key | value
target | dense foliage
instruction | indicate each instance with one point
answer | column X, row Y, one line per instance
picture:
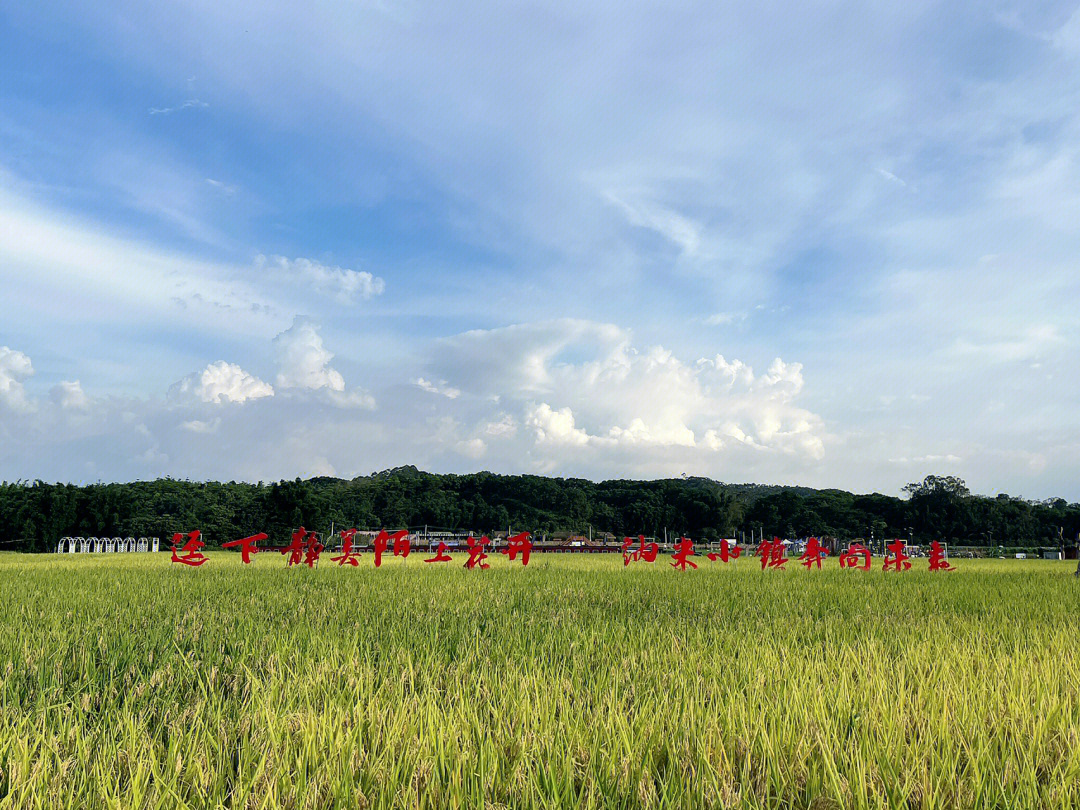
column 34, row 515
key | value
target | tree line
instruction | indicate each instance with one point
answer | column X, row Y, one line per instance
column 35, row 514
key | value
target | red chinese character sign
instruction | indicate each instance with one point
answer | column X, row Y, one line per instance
column 814, row 554
column 347, row 556
column 440, row 555
column 313, row 550
column 192, row 555
column 476, row 552
column 726, row 552
column 518, row 544
column 400, row 540
column 684, row 550
column 645, row 552
column 851, row 557
column 772, row 553
column 305, row 548
column 899, row 560
column 938, row 561
column 295, row 549
column 248, row 546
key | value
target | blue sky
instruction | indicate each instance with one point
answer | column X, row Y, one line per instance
column 827, row 244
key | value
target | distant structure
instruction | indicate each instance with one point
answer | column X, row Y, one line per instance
column 109, row 545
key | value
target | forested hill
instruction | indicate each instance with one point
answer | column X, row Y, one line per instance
column 34, row 515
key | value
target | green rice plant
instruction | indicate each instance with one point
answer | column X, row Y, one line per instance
column 130, row 682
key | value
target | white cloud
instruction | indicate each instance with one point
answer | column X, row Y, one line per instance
column 673, row 226
column 350, row 399
column 341, row 282
column 609, row 410
column 64, row 276
column 724, row 318
column 222, row 382
column 202, row 426
column 555, row 427
column 735, row 373
column 441, row 388
column 637, row 432
column 892, row 178
column 224, row 188
column 929, row 458
column 70, row 395
column 504, row 427
column 14, row 368
column 189, row 104
column 471, row 448
column 584, row 384
column 64, row 272
column 303, row 361
column 524, row 357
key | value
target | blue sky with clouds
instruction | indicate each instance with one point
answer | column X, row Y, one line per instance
column 828, row 244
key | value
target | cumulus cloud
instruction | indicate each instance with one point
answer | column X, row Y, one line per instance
column 637, row 432
column 555, row 427
column 14, row 368
column 346, row 285
column 304, row 366
column 303, row 361
column 567, row 397
column 576, row 399
column 504, row 427
column 69, row 395
column 523, row 357
column 222, row 382
column 582, row 384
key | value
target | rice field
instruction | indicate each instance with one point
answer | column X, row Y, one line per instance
column 130, row 682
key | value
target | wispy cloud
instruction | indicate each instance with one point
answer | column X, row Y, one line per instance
column 440, row 388
column 892, row 178
column 224, row 188
column 191, row 103
column 343, row 283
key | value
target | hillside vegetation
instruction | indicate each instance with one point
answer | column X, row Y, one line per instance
column 35, row 514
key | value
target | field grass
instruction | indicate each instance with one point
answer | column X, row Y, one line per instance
column 129, row 682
